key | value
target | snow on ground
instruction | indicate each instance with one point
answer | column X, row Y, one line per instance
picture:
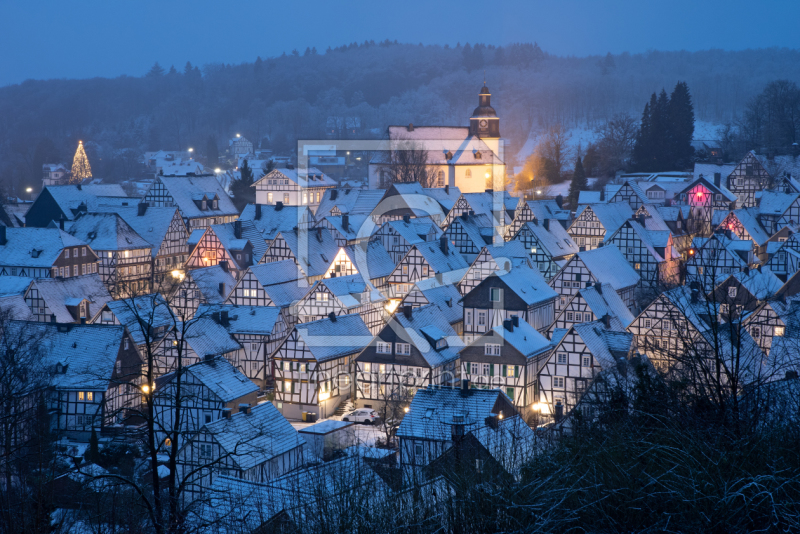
column 582, row 135
column 706, row 131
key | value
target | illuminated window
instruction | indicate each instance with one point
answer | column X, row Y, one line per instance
column 780, row 330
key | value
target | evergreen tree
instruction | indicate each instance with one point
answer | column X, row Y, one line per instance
column 80, row 166
column 187, row 69
column 93, row 453
column 642, row 149
column 243, row 193
column 156, row 71
column 661, row 131
column 579, row 182
column 212, row 152
column 681, row 120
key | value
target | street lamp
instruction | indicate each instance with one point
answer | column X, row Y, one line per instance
column 218, row 170
column 29, row 190
column 191, row 150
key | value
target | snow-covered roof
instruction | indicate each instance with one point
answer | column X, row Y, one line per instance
column 256, row 437
column 58, row 293
column 602, row 299
column 227, row 237
column 554, row 239
column 207, row 337
column 317, row 253
column 445, row 197
column 348, row 200
column 410, row 198
column 187, row 167
column 14, row 307
column 512, row 443
column 275, row 219
column 525, row 338
column 528, row 284
column 152, row 226
column 606, row 345
column 341, row 336
column 444, row 295
column 776, row 203
column 430, row 416
column 325, row 427
column 548, row 209
column 372, row 263
column 708, row 170
column 478, row 227
column 358, row 226
column 14, row 285
column 415, row 230
column 106, row 231
column 748, row 217
column 608, row 265
column 185, row 190
column 708, row 183
column 589, row 197
column 439, row 260
column 762, row 284
column 223, row 379
column 244, row 319
column 70, row 197
column 35, row 247
column 208, row 280
column 612, row 216
column 143, row 312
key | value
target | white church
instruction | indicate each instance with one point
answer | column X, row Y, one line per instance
column 467, row 157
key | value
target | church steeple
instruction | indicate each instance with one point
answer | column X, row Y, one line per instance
column 484, row 122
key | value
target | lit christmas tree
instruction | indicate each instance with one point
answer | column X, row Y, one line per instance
column 80, row 166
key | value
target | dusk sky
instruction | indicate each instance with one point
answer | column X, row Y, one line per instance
column 85, row 39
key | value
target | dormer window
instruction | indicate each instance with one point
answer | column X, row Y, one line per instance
column 204, row 204
column 214, row 203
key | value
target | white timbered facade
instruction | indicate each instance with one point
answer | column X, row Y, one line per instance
column 748, row 177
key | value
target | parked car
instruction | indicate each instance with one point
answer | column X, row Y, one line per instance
column 363, row 415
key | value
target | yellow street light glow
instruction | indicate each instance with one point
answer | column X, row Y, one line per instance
column 500, row 416
column 392, row 306
column 488, row 175
column 323, row 396
column 405, row 409
column 191, row 150
column 238, row 135
column 217, row 170
column 146, row 389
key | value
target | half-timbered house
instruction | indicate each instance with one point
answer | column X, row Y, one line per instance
column 272, row 284
column 125, row 258
column 293, row 187
column 271, row 220
column 398, row 236
column 494, row 258
column 582, row 352
column 548, row 244
column 201, row 200
column 442, row 292
column 344, row 295
column 417, row 348
column 422, row 261
column 529, row 210
column 650, row 253
column 704, row 197
column 238, row 243
column 783, row 257
column 507, row 357
column 67, row 300
column 348, row 229
column 147, row 318
column 632, row 194
column 206, row 285
column 495, row 205
column 717, row 257
column 768, row 322
column 748, row 177
column 521, row 292
column 744, row 291
column 258, row 329
column 592, row 303
column 778, row 210
column 207, row 390
column 312, row 365
column 355, row 202
column 601, row 265
column 44, row 253
column 404, row 200
column 256, row 444
column 595, row 221
column 470, row 233
column 370, row 260
column 314, row 252
column 668, row 218
column 744, row 224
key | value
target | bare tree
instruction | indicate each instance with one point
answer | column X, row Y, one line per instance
column 616, row 139
column 406, row 162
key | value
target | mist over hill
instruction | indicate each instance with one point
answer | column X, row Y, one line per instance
column 280, row 99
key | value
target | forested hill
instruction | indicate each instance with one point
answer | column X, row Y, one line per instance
column 292, row 96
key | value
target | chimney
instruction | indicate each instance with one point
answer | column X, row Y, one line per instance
column 244, row 408
column 332, row 317
column 407, row 311
column 237, row 229
column 345, row 221
column 224, row 265
column 560, row 201
column 80, row 187
column 444, row 244
column 278, row 206
column 52, row 317
column 603, row 195
column 3, row 239
column 406, row 218
column 222, row 288
column 491, row 422
column 465, row 386
column 439, row 278
column 515, row 320
column 223, row 317
column 717, row 179
column 508, row 324
column 258, row 212
column 410, row 127
column 208, row 358
column 546, row 224
column 640, row 219
column 464, row 215
column 695, row 295
column 319, row 234
column 599, row 287
column 447, row 189
column 601, row 243
column 607, row 321
column 290, row 166
column 142, row 209
column 791, row 375
column 83, row 320
column 535, row 221
column 559, row 411
column 61, row 222
column 226, row 413
column 334, row 194
column 747, row 271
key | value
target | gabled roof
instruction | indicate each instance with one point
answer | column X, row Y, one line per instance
column 528, row 284
column 479, row 228
column 327, row 339
column 348, row 200
column 14, row 285
column 227, row 237
column 608, row 265
column 709, row 184
column 70, row 197
column 525, row 338
column 35, row 247
column 776, row 203
column 439, row 260
column 748, row 217
column 276, row 272
column 58, row 293
column 709, row 169
column 513, row 252
column 589, row 197
column 358, row 226
column 258, row 320
column 495, row 205
column 318, row 252
column 347, row 289
column 611, row 216
column 185, row 190
column 410, row 197
column 602, row 299
column 14, row 307
column 416, row 229
column 513, row 443
column 606, row 345
column 222, row 378
column 637, row 190
column 446, row 198
column 276, row 219
column 445, row 296
column 255, row 438
column 152, row 226
column 762, row 284
column 430, row 415
column 696, row 312
column 555, row 239
column 142, row 313
column 372, row 263
column 548, row 209
column 87, row 353
column 208, row 280
column 312, row 177
column 207, row 337
column 106, row 231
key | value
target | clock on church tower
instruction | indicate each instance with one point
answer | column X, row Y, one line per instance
column 484, row 122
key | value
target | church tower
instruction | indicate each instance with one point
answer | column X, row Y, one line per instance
column 484, row 122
